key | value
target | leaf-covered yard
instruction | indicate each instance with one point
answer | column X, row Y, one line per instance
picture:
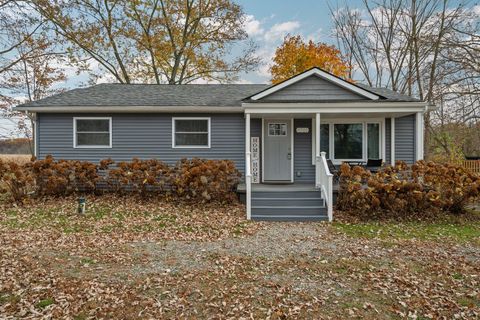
column 132, row 259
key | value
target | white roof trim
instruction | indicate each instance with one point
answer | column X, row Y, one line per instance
column 322, row 74
column 128, row 109
column 354, row 104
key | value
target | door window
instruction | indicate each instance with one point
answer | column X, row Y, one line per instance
column 277, row 129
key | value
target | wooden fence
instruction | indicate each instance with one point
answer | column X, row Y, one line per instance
column 472, row 165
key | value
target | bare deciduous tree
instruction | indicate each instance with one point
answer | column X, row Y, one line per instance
column 160, row 41
column 429, row 49
column 30, row 65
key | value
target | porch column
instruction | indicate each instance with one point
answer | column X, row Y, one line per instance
column 392, row 140
column 419, row 135
column 248, row 174
column 317, row 148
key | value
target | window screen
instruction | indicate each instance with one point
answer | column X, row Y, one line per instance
column 92, row 132
column 191, row 133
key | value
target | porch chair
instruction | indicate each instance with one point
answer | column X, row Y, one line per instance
column 373, row 165
column 333, row 170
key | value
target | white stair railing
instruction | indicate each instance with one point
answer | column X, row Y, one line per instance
column 324, row 181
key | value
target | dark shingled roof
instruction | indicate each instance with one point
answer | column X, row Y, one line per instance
column 388, row 94
column 174, row 95
column 152, row 95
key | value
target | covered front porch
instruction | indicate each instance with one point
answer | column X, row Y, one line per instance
column 295, row 129
column 287, row 150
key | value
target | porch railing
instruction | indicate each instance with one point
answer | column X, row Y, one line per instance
column 324, row 181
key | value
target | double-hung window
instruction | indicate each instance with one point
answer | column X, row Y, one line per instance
column 191, row 132
column 92, row 132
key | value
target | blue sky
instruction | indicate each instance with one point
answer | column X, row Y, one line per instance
column 269, row 21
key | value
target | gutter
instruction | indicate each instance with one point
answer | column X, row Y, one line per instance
column 130, row 109
column 293, row 107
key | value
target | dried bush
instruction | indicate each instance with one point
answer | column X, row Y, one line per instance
column 196, row 178
column 64, row 176
column 15, row 180
column 405, row 192
column 139, row 176
column 205, row 179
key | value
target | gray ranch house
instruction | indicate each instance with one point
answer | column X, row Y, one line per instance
column 283, row 137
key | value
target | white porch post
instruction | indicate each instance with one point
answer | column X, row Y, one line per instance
column 248, row 173
column 392, row 140
column 419, row 136
column 317, row 148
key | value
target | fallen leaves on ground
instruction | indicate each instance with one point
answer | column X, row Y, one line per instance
column 135, row 259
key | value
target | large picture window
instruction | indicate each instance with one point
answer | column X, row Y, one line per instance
column 94, row 132
column 348, row 141
column 191, row 133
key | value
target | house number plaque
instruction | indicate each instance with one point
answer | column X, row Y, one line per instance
column 255, row 150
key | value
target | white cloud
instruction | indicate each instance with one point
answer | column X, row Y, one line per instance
column 314, row 36
column 476, row 10
column 280, row 30
column 253, row 27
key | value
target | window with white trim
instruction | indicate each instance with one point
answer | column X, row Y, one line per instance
column 191, row 132
column 92, row 132
column 351, row 140
column 348, row 141
column 277, row 129
column 373, row 141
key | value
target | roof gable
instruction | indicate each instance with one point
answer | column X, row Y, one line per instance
column 315, row 84
column 313, row 88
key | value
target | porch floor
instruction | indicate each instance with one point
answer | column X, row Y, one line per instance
column 266, row 187
column 297, row 186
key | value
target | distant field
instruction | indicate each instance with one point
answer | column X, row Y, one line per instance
column 20, row 158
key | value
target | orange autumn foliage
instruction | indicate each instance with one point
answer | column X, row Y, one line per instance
column 295, row 56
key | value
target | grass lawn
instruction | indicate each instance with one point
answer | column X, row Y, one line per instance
column 131, row 259
column 453, row 229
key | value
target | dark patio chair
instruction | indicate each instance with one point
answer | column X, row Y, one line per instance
column 373, row 165
column 333, row 170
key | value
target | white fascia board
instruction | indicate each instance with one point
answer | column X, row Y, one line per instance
column 132, row 109
column 361, row 104
column 322, row 74
column 334, row 108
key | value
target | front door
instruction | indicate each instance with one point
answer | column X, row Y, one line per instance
column 277, row 151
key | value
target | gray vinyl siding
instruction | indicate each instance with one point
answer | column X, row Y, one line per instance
column 405, row 139
column 143, row 136
column 313, row 88
column 303, row 152
column 388, row 141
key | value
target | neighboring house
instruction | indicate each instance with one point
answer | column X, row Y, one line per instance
column 278, row 135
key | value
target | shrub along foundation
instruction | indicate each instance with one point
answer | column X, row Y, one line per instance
column 205, row 180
